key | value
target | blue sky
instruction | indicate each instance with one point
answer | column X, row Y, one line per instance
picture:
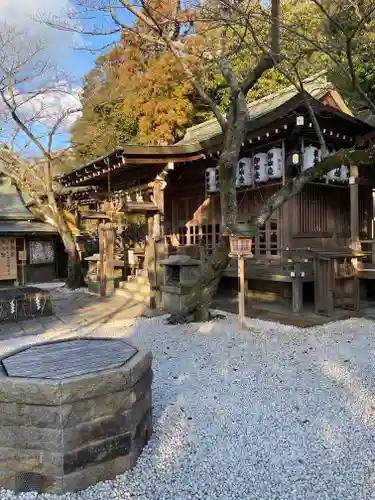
column 76, row 63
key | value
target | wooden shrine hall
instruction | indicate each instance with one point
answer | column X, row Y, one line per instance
column 317, row 247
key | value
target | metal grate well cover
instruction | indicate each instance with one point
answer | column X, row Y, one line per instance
column 69, row 358
column 28, row 481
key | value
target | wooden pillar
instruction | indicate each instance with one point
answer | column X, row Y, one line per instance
column 354, row 209
column 150, row 261
column 158, row 249
column 106, row 257
column 241, row 295
column 158, row 195
column 110, row 251
column 297, row 289
column 101, row 270
column 283, row 159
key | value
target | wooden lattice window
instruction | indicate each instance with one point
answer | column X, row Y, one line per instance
column 206, row 236
column 266, row 243
column 193, row 234
column 182, row 235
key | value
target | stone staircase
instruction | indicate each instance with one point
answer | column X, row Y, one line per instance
column 135, row 287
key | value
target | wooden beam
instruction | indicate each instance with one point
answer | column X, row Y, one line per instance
column 92, row 214
column 364, row 182
column 161, row 160
column 141, row 207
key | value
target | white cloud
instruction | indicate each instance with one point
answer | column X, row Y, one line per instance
column 41, row 115
column 22, row 14
column 48, row 106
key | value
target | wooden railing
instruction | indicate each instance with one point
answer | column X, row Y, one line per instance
column 283, row 257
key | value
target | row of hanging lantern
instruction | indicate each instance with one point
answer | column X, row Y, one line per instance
column 268, row 166
column 262, row 168
column 313, row 155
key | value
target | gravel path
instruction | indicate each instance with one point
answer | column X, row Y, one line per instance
column 275, row 412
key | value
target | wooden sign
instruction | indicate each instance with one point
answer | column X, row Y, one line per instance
column 8, row 259
column 22, row 256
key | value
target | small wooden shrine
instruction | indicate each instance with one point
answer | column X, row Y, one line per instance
column 29, row 249
column 166, row 200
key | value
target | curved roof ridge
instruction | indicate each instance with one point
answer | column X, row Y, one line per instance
column 313, row 84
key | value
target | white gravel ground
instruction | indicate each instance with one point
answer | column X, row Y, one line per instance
column 275, row 412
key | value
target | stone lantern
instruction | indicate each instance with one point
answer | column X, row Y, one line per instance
column 181, row 272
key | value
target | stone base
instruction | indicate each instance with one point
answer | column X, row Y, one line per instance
column 174, row 298
column 58, row 437
column 94, row 287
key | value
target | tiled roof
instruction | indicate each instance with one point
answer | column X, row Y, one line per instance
column 12, row 203
column 317, row 87
column 15, row 218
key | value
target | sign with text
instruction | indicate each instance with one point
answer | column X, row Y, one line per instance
column 42, row 252
column 8, row 259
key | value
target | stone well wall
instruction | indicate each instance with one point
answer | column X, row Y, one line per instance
column 62, row 436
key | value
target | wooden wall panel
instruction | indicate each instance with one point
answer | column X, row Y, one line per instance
column 312, row 210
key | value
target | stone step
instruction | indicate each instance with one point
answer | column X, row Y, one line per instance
column 141, row 272
column 134, row 286
column 138, row 279
column 137, row 296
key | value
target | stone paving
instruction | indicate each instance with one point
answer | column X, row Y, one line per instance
column 76, row 313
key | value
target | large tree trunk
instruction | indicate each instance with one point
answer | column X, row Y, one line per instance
column 203, row 291
column 52, row 215
column 74, row 275
column 74, row 271
column 213, row 267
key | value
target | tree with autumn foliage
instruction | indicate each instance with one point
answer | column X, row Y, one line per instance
column 134, row 95
column 138, row 95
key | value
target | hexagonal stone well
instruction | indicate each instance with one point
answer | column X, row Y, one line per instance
column 72, row 413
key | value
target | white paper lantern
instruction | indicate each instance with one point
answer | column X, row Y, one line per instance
column 344, row 171
column 275, row 163
column 339, row 174
column 244, row 174
column 261, row 167
column 333, row 175
column 212, row 179
column 311, row 156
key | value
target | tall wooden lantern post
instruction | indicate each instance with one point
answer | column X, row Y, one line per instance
column 241, row 241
